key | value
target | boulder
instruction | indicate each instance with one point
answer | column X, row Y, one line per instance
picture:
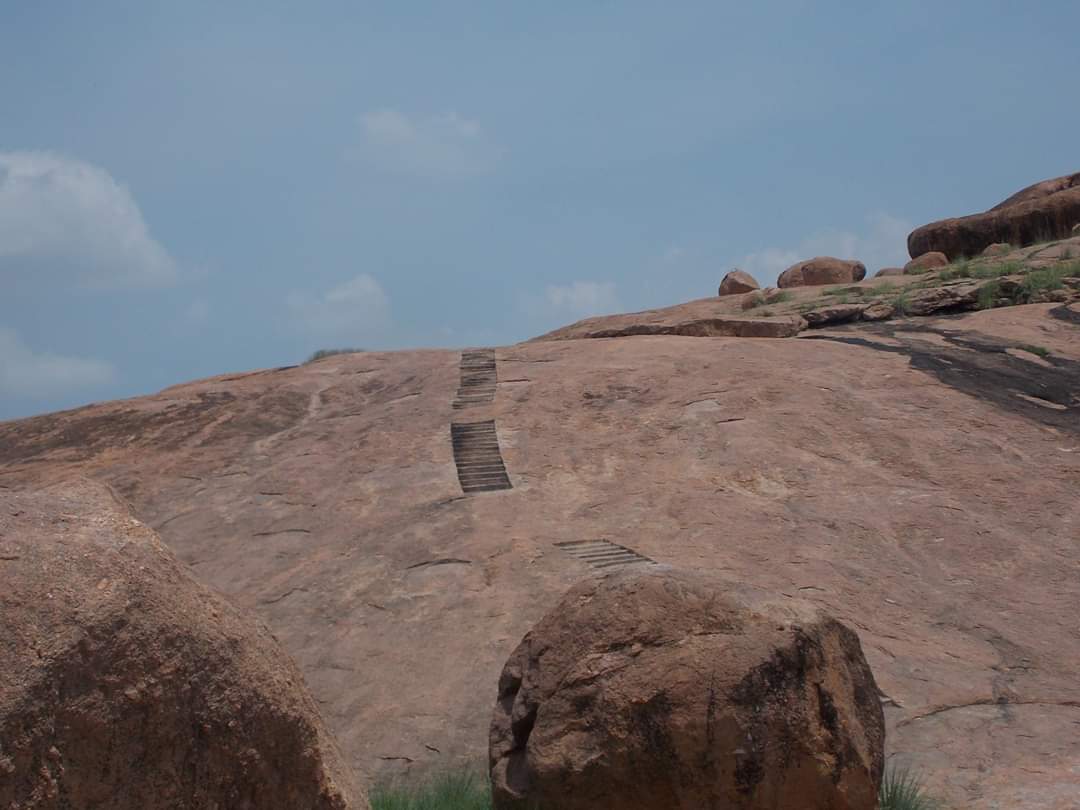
column 835, row 313
column 126, row 684
column 737, row 282
column 822, row 270
column 997, row 249
column 880, row 311
column 1041, row 212
column 658, row 689
column 926, row 262
column 889, row 271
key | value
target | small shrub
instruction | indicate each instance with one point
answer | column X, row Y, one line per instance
column 1039, row 351
column 452, row 791
column 901, row 790
column 988, row 295
column 901, row 303
column 780, row 297
column 1040, row 281
column 752, row 301
column 321, row 353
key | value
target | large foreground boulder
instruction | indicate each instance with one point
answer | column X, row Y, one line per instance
column 126, row 684
column 822, row 270
column 1041, row 212
column 737, row 281
column 663, row 690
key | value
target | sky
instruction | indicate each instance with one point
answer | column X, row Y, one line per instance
column 190, row 189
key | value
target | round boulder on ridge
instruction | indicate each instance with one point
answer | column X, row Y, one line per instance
column 660, row 689
column 737, row 281
column 822, row 270
column 926, row 262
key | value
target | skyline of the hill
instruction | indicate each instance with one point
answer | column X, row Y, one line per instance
column 195, row 189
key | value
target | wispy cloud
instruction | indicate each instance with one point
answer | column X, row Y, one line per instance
column 355, row 310
column 583, row 298
column 72, row 219
column 28, row 373
column 881, row 243
column 446, row 145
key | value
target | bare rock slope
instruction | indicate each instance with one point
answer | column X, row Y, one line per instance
column 126, row 684
column 916, row 478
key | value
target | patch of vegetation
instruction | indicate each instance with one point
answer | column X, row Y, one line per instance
column 901, row 303
column 321, row 353
column 961, row 269
column 452, row 791
column 752, row 301
column 1039, row 351
column 780, row 297
column 997, row 270
column 988, row 295
column 843, row 292
column 901, row 790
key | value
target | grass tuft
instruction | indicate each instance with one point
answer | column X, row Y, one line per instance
column 452, row 791
column 321, row 353
column 901, row 790
column 1031, row 348
column 988, row 295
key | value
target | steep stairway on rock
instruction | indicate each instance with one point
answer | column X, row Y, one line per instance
column 476, row 453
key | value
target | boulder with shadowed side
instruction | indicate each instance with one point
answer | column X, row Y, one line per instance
column 822, row 270
column 1040, row 212
column 126, row 684
column 737, row 282
column 665, row 690
column 925, row 263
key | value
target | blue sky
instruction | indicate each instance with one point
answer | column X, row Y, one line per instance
column 193, row 188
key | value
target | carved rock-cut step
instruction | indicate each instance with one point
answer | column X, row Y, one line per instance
column 602, row 554
column 478, row 378
column 479, row 463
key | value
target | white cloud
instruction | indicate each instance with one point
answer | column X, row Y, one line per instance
column 583, row 298
column 26, row 373
column 882, row 243
column 438, row 146
column 352, row 311
column 73, row 218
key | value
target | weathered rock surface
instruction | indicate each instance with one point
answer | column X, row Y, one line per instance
column 889, row 271
column 822, row 270
column 1076, row 229
column 702, row 318
column 126, row 684
column 834, row 313
column 659, row 690
column 1040, row 212
column 918, row 482
column 925, row 263
column 737, row 282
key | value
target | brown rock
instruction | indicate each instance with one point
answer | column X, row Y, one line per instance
column 835, row 313
column 889, row 271
column 1040, row 212
column 997, row 249
column 881, row 311
column 707, row 317
column 665, row 690
column 737, row 282
column 925, row 263
column 128, row 685
column 822, row 270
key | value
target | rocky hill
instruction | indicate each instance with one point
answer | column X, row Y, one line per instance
column 915, row 476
